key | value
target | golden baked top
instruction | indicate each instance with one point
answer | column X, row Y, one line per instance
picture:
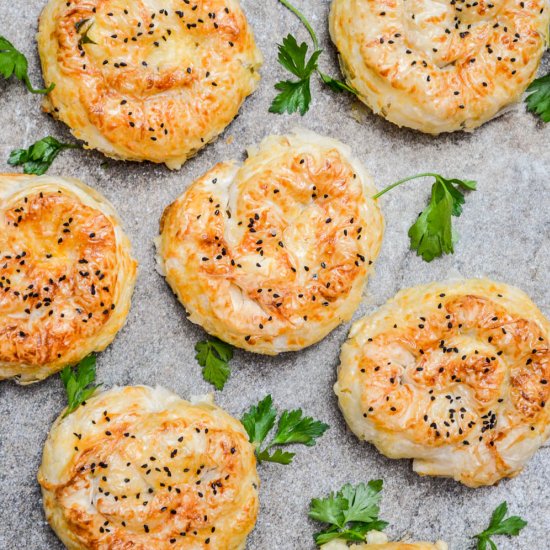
column 272, row 255
column 453, row 375
column 147, row 79
column 138, row 467
column 66, row 274
column 439, row 66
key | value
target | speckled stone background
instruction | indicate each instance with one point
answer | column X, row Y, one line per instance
column 505, row 234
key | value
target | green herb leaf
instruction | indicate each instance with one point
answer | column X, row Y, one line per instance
column 214, row 355
column 342, row 534
column 279, row 456
column 336, row 85
column 293, row 57
column 351, row 512
column 291, row 428
column 294, row 96
column 363, row 501
column 39, row 156
column 329, row 509
column 13, row 62
column 432, row 234
column 259, row 420
column 538, row 101
column 78, row 383
column 356, row 533
column 499, row 526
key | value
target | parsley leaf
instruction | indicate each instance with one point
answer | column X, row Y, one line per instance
column 259, row 420
column 279, row 456
column 214, row 355
column 293, row 57
column 291, row 428
column 295, row 428
column 39, row 156
column 538, row 101
column 432, row 234
column 351, row 512
column 78, row 383
column 13, row 62
column 336, row 85
column 295, row 95
column 510, row 526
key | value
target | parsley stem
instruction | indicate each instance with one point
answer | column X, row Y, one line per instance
column 404, row 180
column 304, row 21
column 33, row 90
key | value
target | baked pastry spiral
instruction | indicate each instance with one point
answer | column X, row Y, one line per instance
column 138, row 467
column 147, row 80
column 439, row 66
column 66, row 274
column 272, row 255
column 455, row 376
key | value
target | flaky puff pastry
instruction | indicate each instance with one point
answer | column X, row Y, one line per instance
column 272, row 255
column 455, row 376
column 138, row 467
column 377, row 540
column 439, row 66
column 66, row 274
column 147, row 79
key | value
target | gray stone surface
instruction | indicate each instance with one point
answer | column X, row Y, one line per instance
column 505, row 234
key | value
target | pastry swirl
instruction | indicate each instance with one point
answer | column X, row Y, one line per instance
column 272, row 255
column 147, row 79
column 439, row 66
column 66, row 274
column 138, row 467
column 455, row 376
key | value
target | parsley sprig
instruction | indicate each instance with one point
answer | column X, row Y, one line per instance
column 13, row 62
column 39, row 156
column 79, row 383
column 510, row 526
column 538, row 100
column 432, row 234
column 214, row 356
column 292, row 427
column 295, row 95
column 351, row 512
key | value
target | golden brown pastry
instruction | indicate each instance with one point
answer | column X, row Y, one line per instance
column 379, row 541
column 453, row 375
column 140, row 468
column 147, row 79
column 439, row 66
column 66, row 274
column 272, row 255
